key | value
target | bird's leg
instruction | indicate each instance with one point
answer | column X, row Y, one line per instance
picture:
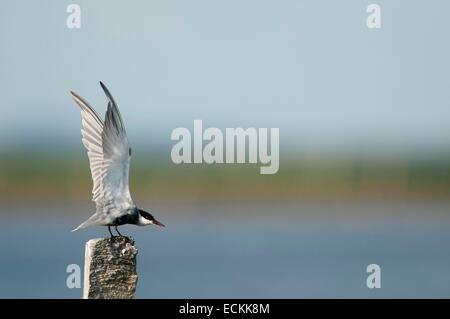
column 118, row 232
column 109, row 229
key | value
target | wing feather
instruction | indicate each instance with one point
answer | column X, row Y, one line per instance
column 91, row 132
column 116, row 155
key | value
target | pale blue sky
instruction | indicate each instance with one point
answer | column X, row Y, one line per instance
column 311, row 68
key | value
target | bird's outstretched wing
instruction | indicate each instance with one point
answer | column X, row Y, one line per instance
column 116, row 155
column 108, row 151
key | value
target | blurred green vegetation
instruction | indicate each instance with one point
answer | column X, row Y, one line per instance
column 67, row 177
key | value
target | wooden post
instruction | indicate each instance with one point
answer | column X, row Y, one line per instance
column 110, row 268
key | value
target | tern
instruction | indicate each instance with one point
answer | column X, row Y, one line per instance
column 109, row 160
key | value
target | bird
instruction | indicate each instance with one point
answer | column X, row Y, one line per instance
column 109, row 156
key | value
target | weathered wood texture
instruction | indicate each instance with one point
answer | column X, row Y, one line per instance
column 110, row 268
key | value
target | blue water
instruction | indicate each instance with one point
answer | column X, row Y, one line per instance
column 240, row 251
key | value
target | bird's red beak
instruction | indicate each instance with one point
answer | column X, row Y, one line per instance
column 158, row 223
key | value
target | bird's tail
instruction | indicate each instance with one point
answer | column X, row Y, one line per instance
column 79, row 227
column 94, row 220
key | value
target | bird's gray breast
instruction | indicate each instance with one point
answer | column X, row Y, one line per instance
column 128, row 217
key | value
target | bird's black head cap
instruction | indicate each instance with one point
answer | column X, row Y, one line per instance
column 146, row 215
column 150, row 217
